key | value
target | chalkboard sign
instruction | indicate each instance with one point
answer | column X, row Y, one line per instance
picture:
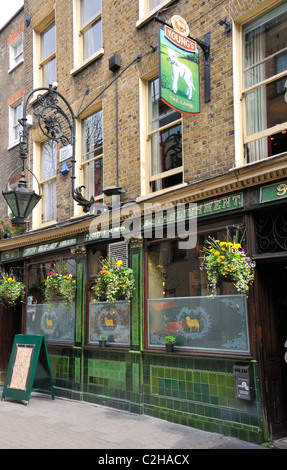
column 29, row 368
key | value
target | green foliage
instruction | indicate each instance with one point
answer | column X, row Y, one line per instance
column 11, row 291
column 60, row 286
column 7, row 229
column 228, row 262
column 114, row 282
column 169, row 340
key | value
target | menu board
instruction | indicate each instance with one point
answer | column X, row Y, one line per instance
column 21, row 366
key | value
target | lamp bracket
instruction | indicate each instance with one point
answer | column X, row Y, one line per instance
column 57, row 121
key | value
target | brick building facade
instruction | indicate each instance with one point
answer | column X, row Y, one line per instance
column 103, row 58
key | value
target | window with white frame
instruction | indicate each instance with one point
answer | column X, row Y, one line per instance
column 92, row 154
column 48, row 55
column 164, row 135
column 147, row 8
column 48, row 172
column 90, row 26
column 16, row 51
column 265, row 85
column 15, row 113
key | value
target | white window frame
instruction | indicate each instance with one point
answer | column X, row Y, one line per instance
column 37, row 63
column 79, row 181
column 79, row 61
column 37, row 170
column 145, row 14
column 13, row 125
column 145, row 144
column 13, row 57
column 241, row 138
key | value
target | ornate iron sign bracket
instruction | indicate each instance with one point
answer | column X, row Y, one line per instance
column 56, row 120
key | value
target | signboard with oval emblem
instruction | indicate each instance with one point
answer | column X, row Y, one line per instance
column 179, row 67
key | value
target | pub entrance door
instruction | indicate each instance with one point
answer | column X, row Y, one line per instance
column 10, row 324
column 272, row 300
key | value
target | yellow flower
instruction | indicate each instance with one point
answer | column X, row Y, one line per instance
column 217, row 253
column 119, row 263
column 10, row 279
column 219, row 260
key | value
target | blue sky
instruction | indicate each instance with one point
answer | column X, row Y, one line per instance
column 8, row 8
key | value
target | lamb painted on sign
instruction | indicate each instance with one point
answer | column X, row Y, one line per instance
column 180, row 70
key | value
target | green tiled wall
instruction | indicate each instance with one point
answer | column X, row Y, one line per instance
column 110, row 373
column 195, row 392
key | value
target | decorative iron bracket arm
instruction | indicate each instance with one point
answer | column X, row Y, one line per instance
column 54, row 121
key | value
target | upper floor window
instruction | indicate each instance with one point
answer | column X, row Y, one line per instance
column 15, row 113
column 147, row 9
column 265, row 85
column 165, row 142
column 91, row 27
column 48, row 55
column 92, row 154
column 16, row 51
column 48, row 172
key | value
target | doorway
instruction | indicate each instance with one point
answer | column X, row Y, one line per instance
column 10, row 324
column 272, row 294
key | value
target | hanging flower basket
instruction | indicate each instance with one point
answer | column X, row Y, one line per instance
column 228, row 262
column 60, row 287
column 114, row 282
column 11, row 291
column 7, row 229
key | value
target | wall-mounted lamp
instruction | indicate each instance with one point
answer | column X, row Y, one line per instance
column 228, row 25
column 21, row 200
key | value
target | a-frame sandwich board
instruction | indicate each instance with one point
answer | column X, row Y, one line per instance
column 28, row 369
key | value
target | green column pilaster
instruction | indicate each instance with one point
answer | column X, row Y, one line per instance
column 136, row 254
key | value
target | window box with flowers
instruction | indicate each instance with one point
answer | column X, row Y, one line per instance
column 228, row 262
column 110, row 303
column 12, row 291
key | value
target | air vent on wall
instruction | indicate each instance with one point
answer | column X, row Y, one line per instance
column 119, row 251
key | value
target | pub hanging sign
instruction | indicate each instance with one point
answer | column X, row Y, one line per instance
column 179, row 68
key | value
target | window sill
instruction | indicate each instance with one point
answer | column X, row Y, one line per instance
column 160, row 192
column 149, row 16
column 35, row 95
column 16, row 66
column 95, row 56
column 11, row 146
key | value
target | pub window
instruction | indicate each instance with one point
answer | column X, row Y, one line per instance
column 48, row 55
column 87, row 32
column 265, row 84
column 15, row 113
column 111, row 320
column 180, row 304
column 48, row 174
column 147, row 8
column 91, row 167
column 16, row 51
column 57, row 323
column 164, row 136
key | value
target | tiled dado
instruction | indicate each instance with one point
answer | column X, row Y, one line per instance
column 200, row 398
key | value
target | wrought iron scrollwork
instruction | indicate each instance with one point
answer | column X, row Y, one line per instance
column 52, row 118
column 271, row 232
column 56, row 120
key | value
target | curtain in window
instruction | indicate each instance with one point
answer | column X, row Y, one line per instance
column 255, row 101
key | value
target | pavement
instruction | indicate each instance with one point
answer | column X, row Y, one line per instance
column 66, row 424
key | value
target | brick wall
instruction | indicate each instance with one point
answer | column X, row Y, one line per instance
column 208, row 138
column 11, row 89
